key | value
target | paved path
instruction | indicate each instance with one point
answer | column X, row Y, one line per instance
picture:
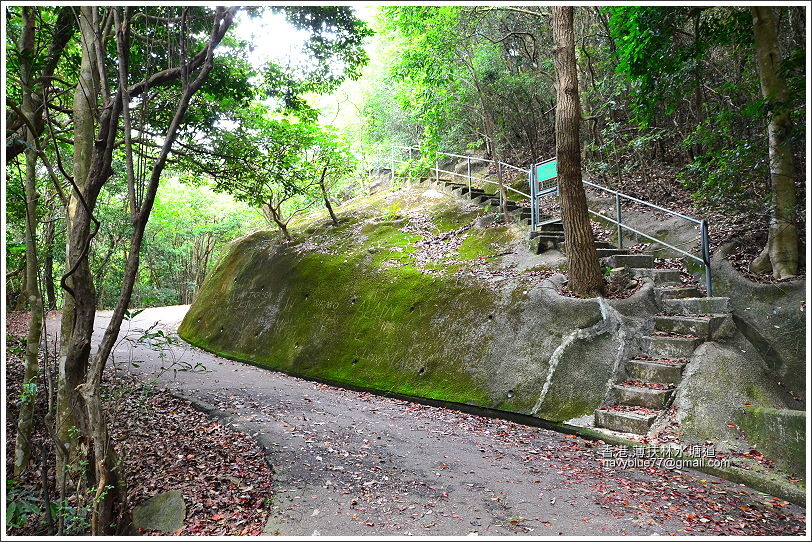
column 351, row 463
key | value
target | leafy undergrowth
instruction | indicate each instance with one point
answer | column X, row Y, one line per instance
column 166, row 444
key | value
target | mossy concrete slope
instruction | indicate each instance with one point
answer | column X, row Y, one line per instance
column 773, row 317
column 353, row 305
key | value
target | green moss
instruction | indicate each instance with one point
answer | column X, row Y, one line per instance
column 347, row 305
column 333, row 318
column 484, row 242
column 778, row 433
column 449, row 217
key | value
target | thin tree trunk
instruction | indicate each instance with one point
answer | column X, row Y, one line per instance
column 276, row 216
column 22, row 297
column 110, row 514
column 25, row 423
column 781, row 253
column 585, row 278
column 324, row 195
column 48, row 264
column 71, row 368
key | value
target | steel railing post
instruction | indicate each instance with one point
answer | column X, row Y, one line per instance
column 619, row 219
column 499, row 178
column 705, row 241
column 533, row 219
column 469, row 176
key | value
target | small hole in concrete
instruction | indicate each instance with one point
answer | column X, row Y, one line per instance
column 510, row 394
column 421, row 371
column 490, row 317
column 355, row 361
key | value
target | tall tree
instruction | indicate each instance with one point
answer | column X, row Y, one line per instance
column 781, row 252
column 22, row 449
column 111, row 90
column 584, row 273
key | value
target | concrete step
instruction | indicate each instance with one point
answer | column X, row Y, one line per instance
column 598, row 244
column 701, row 326
column 642, row 396
column 551, row 225
column 523, row 221
column 624, row 422
column 672, row 347
column 675, row 292
column 697, row 305
column 658, row 276
column 631, row 260
column 544, row 242
column 654, row 371
column 460, row 190
column 520, row 212
column 611, row 252
column 487, row 199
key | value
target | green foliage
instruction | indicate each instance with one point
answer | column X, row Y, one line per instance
column 22, row 506
column 334, row 51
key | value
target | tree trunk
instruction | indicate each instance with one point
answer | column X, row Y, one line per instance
column 25, row 423
column 22, row 297
column 276, row 215
column 324, row 195
column 781, row 253
column 585, row 278
column 71, row 370
column 48, row 264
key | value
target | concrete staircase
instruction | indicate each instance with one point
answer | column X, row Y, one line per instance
column 644, row 385
column 518, row 213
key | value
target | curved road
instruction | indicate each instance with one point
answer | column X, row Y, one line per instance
column 351, row 463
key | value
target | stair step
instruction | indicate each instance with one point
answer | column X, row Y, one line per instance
column 519, row 212
column 545, row 241
column 701, row 326
column 551, row 225
column 697, row 305
column 631, row 260
column 611, row 252
column 598, row 244
column 642, row 396
column 659, row 276
column 654, row 371
column 664, row 346
column 624, row 422
column 676, row 292
column 486, row 199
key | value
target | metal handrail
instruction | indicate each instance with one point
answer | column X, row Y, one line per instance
column 704, row 259
column 535, row 195
column 652, row 205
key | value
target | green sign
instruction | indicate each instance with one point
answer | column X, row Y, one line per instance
column 547, row 170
